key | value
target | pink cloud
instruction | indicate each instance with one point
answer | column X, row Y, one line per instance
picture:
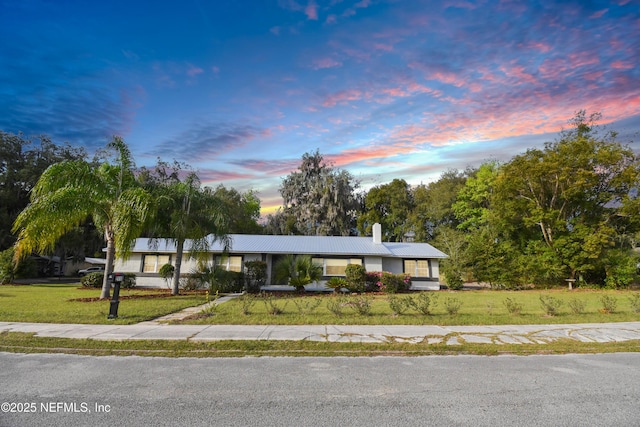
column 193, row 71
column 383, row 46
column 621, row 65
column 448, row 78
column 342, row 97
column 322, row 63
column 518, row 73
column 311, row 10
column 598, row 14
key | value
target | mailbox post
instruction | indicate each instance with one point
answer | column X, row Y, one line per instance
column 117, row 280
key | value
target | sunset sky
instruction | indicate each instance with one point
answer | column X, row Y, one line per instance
column 385, row 89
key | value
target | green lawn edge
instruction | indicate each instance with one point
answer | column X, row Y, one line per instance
column 26, row 343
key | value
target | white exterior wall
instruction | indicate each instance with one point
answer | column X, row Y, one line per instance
column 435, row 269
column 131, row 265
column 392, row 265
column 372, row 263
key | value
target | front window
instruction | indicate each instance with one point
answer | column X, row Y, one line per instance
column 153, row 263
column 335, row 266
column 229, row 263
column 416, row 268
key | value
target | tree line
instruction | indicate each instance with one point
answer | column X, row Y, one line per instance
column 567, row 211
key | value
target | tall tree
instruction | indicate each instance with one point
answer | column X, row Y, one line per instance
column 69, row 192
column 321, row 198
column 433, row 205
column 243, row 210
column 22, row 161
column 391, row 206
column 574, row 192
column 188, row 212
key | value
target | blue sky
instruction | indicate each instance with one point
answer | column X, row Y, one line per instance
column 384, row 89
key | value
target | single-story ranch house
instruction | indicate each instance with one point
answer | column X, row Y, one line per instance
column 334, row 253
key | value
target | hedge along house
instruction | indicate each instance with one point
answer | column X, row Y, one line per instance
column 334, row 253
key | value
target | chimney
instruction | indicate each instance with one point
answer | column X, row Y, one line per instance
column 377, row 233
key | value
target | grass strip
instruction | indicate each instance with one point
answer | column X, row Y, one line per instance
column 18, row 342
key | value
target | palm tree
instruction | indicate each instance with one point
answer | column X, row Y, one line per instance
column 188, row 212
column 69, row 192
column 297, row 271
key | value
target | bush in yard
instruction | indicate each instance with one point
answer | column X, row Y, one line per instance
column 307, row 305
column 550, row 305
column 634, row 300
column 423, row 302
column 129, row 281
column 388, row 282
column 226, row 281
column 355, row 276
column 247, row 301
column 336, row 304
column 336, row 283
column 92, row 280
column 255, row 275
column 271, row 304
column 399, row 305
column 622, row 269
column 361, row 304
column 452, row 277
column 577, row 306
column 609, row 304
column 373, row 281
column 9, row 270
column 513, row 307
column 166, row 272
column 452, row 306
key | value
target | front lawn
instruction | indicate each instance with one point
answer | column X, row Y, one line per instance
column 63, row 303
column 475, row 308
column 56, row 303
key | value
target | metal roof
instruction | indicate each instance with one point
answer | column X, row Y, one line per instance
column 313, row 245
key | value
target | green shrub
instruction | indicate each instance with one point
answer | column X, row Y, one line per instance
column 550, row 305
column 577, row 306
column 271, row 304
column 361, row 304
column 388, row 282
column 355, row 277
column 609, row 304
column 221, row 280
column 129, row 281
column 247, row 302
column 634, row 300
column 255, row 276
column 192, row 283
column 307, row 305
column 166, row 272
column 9, row 270
column 92, row 280
column 452, row 306
column 399, row 305
column 452, row 277
column 423, row 302
column 336, row 283
column 336, row 304
column 513, row 307
column 622, row 269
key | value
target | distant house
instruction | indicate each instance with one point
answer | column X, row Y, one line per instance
column 334, row 253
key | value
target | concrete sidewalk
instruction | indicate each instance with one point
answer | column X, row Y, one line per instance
column 453, row 335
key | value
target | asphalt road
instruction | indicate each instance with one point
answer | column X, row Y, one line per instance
column 543, row 390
